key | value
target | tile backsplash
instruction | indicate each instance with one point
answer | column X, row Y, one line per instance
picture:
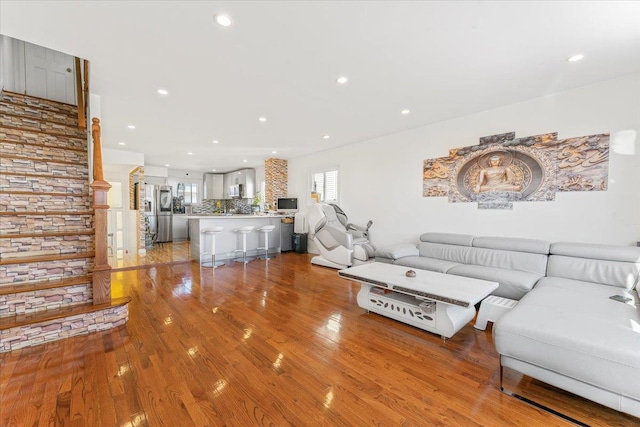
column 239, row 206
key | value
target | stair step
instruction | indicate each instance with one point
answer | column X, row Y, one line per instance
column 32, row 297
column 46, row 258
column 44, row 284
column 19, row 246
column 52, row 130
column 29, row 124
column 12, row 164
column 13, row 274
column 29, row 159
column 39, row 223
column 77, row 310
column 43, row 152
column 48, row 234
column 43, row 175
column 41, row 193
column 19, row 110
column 22, row 201
column 32, row 213
column 23, row 185
column 9, row 97
column 11, row 134
column 81, row 149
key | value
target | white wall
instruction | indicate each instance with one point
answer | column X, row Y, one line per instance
column 381, row 179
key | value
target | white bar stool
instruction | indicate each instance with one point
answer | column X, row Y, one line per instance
column 244, row 231
column 210, row 232
column 266, row 230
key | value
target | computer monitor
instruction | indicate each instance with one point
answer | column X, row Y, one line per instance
column 287, row 205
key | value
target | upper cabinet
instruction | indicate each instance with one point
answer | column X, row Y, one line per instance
column 240, row 184
column 214, row 186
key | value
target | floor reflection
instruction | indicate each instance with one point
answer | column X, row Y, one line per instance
column 163, row 253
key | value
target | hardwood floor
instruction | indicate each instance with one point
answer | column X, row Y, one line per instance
column 163, row 253
column 279, row 344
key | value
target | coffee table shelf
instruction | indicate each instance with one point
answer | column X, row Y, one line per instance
column 454, row 296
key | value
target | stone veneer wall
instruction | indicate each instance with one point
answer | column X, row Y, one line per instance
column 45, row 299
column 141, row 228
column 276, row 176
column 82, row 324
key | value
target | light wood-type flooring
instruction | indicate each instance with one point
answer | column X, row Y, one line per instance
column 281, row 343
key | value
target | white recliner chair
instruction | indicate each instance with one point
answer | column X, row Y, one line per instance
column 340, row 243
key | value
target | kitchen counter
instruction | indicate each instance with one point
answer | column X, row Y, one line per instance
column 234, row 216
column 227, row 240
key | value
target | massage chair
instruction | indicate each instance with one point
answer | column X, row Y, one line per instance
column 341, row 244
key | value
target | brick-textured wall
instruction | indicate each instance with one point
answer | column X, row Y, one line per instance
column 45, row 270
column 276, row 175
column 26, row 336
column 137, row 175
column 45, row 299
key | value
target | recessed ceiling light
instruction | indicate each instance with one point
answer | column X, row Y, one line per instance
column 342, row 80
column 190, row 153
column 575, row 58
column 163, row 92
column 215, row 141
column 167, row 165
column 405, row 112
column 245, row 161
column 274, row 152
column 131, row 126
column 223, row 20
column 121, row 143
column 213, row 170
column 325, row 136
column 262, row 119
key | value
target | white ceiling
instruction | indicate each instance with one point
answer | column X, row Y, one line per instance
column 280, row 60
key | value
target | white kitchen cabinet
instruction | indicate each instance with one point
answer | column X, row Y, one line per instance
column 180, row 230
column 214, row 186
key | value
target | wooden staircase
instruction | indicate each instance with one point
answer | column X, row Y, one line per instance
column 47, row 228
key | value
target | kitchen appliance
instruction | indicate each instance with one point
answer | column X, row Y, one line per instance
column 287, row 205
column 236, row 191
column 164, row 212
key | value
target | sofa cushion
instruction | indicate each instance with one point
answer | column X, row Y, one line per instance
column 448, row 238
column 603, row 272
column 397, row 251
column 511, row 260
column 453, row 253
column 594, row 251
column 424, row 263
column 513, row 244
column 512, row 284
column 573, row 328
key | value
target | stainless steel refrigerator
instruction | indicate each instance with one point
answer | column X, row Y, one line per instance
column 165, row 214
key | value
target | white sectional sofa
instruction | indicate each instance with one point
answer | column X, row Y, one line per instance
column 565, row 329
column 516, row 264
column 567, row 332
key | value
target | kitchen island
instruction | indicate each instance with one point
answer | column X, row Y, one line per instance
column 227, row 240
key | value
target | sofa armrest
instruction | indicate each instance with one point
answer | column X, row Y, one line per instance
column 395, row 252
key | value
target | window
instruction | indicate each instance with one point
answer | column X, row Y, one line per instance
column 326, row 185
column 189, row 192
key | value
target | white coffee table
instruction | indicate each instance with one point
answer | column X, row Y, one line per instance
column 436, row 302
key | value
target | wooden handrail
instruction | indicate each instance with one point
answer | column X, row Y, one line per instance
column 82, row 121
column 101, row 269
column 86, row 87
column 98, row 174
